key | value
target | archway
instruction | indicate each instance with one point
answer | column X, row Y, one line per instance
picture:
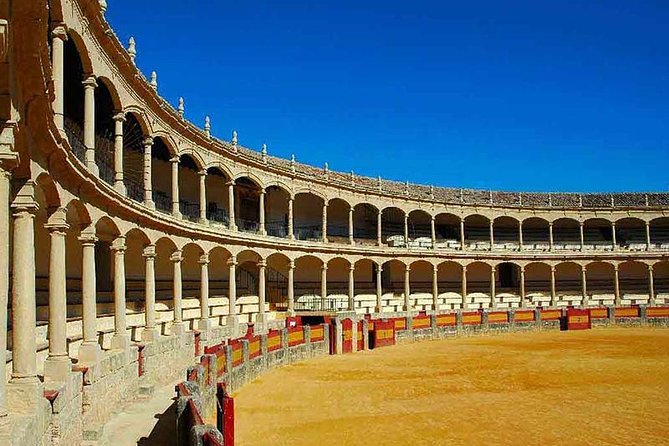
column 420, row 228
column 506, row 233
column 392, row 227
column 247, row 204
column 307, row 284
column 477, row 232
column 597, row 234
column 631, row 234
column 189, row 187
column 634, row 284
column 538, row 284
column 566, row 234
column 161, row 175
column 216, row 186
column 365, row 222
column 133, row 157
column 447, row 230
column 308, row 217
column 449, row 277
column 276, row 211
column 536, row 234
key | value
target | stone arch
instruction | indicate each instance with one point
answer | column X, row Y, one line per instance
column 633, row 282
column 141, row 118
column 337, row 280
column 113, row 92
column 392, row 282
column 308, row 215
column 477, row 231
column 365, row 223
column 538, row 284
column 420, row 284
column 392, row 226
column 420, row 227
column 221, row 166
column 191, row 253
column 631, row 233
column 277, row 197
column 506, row 232
column 566, row 233
column 659, row 232
column 568, row 283
column 337, row 225
column 82, row 50
column 597, row 233
column 536, row 233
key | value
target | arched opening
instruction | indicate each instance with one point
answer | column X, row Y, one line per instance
column 276, row 211
column 597, row 234
column 219, row 280
column 216, row 185
column 307, row 284
column 308, row 217
column 104, row 132
column 600, row 283
column 661, row 282
column 420, row 281
column 477, row 232
column 337, row 226
column 337, row 283
column 659, row 233
column 392, row 285
column 247, row 203
column 478, row 285
column 365, row 286
column 420, row 229
column 631, row 234
column 247, row 275
column 507, row 285
column 161, row 175
column 365, row 222
column 634, row 284
column 190, row 282
column 536, row 234
column 392, row 227
column 189, row 188
column 447, row 230
column 506, row 233
column 449, row 277
column 568, row 283
column 73, row 100
column 538, row 284
column 278, row 266
column 164, row 274
column 566, row 234
column 133, row 157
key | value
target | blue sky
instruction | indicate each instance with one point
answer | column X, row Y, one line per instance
column 513, row 95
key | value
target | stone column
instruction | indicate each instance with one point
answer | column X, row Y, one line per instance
column 553, row 291
column 464, row 287
column 379, row 289
column 580, row 229
column 24, row 310
column 89, row 351
column 651, row 285
column 406, row 229
column 177, row 292
column 150, row 332
column 350, row 226
column 550, row 236
column 584, row 285
column 233, row 318
column 5, row 176
column 522, row 287
column 262, row 295
column 520, row 235
column 203, row 196
column 492, row 234
column 175, row 187
column 616, row 283
column 291, row 230
column 148, row 188
column 462, row 234
column 57, row 366
column 614, row 242
column 433, row 233
column 324, row 282
column 231, row 205
column 121, row 339
column 291, row 289
column 119, row 185
column 325, row 222
column 647, row 236
column 435, row 287
column 261, row 213
column 58, row 39
column 351, row 287
column 407, row 288
column 89, row 123
column 204, row 322
column 493, row 296
column 379, row 228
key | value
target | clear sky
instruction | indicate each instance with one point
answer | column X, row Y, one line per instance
column 515, row 95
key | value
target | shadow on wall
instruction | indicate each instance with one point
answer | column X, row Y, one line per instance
column 163, row 432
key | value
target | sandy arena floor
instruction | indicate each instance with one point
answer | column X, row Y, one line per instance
column 604, row 386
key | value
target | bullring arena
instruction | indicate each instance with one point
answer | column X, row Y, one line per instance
column 144, row 253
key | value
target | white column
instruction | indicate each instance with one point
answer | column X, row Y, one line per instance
column 553, row 290
column 550, row 236
column 351, row 287
column 177, row 292
column 175, row 187
column 262, row 295
column 379, row 228
column 205, row 322
column 492, row 234
column 324, row 282
column 261, row 213
column 350, row 226
column 58, row 365
column 651, row 285
column 150, row 332
column 121, row 339
column 462, row 234
column 232, row 293
column 5, row 176
column 407, row 288
column 89, row 123
column 59, row 37
column 464, row 287
column 24, row 311
column 325, row 222
column 203, row 196
column 584, row 285
column 291, row 290
column 493, row 295
column 89, row 351
column 616, row 283
column 522, row 287
column 291, row 230
column 148, row 185
column 520, row 235
column 119, row 185
column 435, row 287
column 614, row 242
column 406, row 230
column 580, row 229
column 433, row 232
column 647, row 236
column 231, row 205
column 379, row 289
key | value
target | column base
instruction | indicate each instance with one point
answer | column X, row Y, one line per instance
column 24, row 396
column 261, row 323
column 149, row 204
column 150, row 335
column 119, row 186
column 90, row 353
column 204, row 324
column 232, row 321
column 178, row 328
column 93, row 168
column 57, row 368
column 202, row 221
column 120, row 341
column 177, row 214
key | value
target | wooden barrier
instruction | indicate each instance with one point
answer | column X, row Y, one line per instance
column 237, row 352
column 598, row 313
column 446, row 320
column 523, row 316
column 550, row 315
column 653, row 312
column 347, row 335
column 421, row 322
column 254, row 347
column 383, row 334
column 471, row 318
column 295, row 336
column 626, row 312
column 399, row 323
column 498, row 317
column 578, row 319
column 274, row 340
column 221, row 357
column 359, row 338
column 317, row 333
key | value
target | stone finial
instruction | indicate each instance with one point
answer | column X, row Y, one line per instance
column 406, row 188
column 103, row 5
column 432, row 191
column 263, row 152
column 292, row 162
column 181, row 109
column 132, row 49
column 326, row 171
column 154, row 80
column 207, row 126
column 234, row 139
column 352, row 177
column 379, row 180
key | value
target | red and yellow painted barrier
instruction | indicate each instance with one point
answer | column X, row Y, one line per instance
column 498, row 317
column 550, row 315
column 383, row 334
column 446, row 320
column 295, row 336
column 317, row 333
column 400, row 323
column 360, row 337
column 347, row 335
column 578, row 319
column 254, row 347
column 221, row 356
column 523, row 316
column 237, row 352
column 471, row 318
column 626, row 312
column 274, row 341
column 657, row 312
column 421, row 322
column 598, row 313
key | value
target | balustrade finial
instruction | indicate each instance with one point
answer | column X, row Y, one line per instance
column 207, row 126
column 154, row 80
column 132, row 48
column 181, row 107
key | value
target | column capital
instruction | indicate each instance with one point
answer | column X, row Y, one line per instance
column 175, row 160
column 119, row 116
column 263, row 192
column 202, row 173
column 57, row 222
column 324, row 267
column 613, row 224
column 204, row 259
column 616, row 267
column 147, row 141
column 89, row 82
column 650, row 268
column 584, row 268
column 176, row 256
column 232, row 261
column 407, row 268
column 291, row 264
column 435, row 268
column 149, row 252
column 25, row 198
column 262, row 263
column 87, row 238
column 581, row 223
column 351, row 267
column 118, row 245
column 553, row 267
column 59, row 31
column 464, row 268
column 231, row 183
column 550, row 224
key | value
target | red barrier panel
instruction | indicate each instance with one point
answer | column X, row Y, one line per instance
column 197, row 343
column 237, row 352
column 471, row 318
column 446, row 320
column 550, row 315
column 523, row 316
column 140, row 359
column 254, row 347
column 627, row 312
column 657, row 312
column 498, row 317
column 347, row 335
column 274, row 341
column 295, row 336
column 598, row 313
column 421, row 322
column 317, row 333
column 360, row 340
column 400, row 323
column 293, row 321
column 383, row 334
column 578, row 319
